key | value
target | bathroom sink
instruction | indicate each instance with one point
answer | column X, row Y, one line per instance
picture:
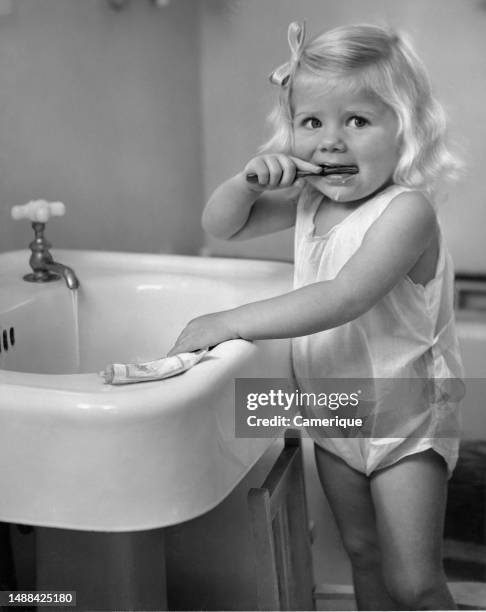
column 76, row 453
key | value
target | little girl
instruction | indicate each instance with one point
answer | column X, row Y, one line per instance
column 373, row 290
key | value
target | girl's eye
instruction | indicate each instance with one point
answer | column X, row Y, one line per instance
column 358, row 122
column 312, row 123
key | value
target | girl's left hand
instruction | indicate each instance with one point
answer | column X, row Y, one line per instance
column 204, row 332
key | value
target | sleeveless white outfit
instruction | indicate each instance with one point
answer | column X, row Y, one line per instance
column 408, row 334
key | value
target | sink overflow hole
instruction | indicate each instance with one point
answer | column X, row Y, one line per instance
column 7, row 339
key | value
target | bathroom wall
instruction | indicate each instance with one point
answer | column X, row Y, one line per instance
column 100, row 109
column 243, row 40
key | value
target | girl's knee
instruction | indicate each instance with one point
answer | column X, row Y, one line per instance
column 415, row 590
column 362, row 550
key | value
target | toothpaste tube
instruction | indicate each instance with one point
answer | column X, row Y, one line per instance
column 125, row 373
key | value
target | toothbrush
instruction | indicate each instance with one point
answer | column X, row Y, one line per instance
column 252, row 177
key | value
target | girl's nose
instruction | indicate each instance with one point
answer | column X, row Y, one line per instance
column 331, row 140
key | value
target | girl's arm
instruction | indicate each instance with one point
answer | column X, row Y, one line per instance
column 235, row 212
column 239, row 210
column 390, row 249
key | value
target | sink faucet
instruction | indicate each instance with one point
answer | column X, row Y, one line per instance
column 44, row 268
column 56, row 269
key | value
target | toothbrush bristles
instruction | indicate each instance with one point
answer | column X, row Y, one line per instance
column 326, row 170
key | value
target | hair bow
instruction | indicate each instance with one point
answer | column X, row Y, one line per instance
column 296, row 37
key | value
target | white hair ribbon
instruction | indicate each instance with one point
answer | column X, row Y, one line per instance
column 296, row 36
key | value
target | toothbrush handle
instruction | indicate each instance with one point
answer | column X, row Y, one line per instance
column 252, row 177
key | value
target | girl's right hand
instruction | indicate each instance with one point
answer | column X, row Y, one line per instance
column 276, row 171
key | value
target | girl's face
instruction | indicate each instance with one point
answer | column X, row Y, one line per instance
column 340, row 127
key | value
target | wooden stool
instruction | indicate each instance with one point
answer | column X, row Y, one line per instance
column 278, row 513
column 282, row 537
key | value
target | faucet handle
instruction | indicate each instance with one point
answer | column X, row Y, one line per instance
column 38, row 210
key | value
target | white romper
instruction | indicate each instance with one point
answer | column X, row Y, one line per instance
column 408, row 334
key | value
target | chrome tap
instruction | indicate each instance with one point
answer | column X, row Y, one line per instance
column 68, row 274
column 44, row 268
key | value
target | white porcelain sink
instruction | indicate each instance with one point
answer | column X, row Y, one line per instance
column 78, row 454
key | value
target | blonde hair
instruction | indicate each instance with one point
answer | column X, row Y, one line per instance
column 378, row 60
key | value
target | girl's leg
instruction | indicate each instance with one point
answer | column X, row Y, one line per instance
column 409, row 499
column 348, row 493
